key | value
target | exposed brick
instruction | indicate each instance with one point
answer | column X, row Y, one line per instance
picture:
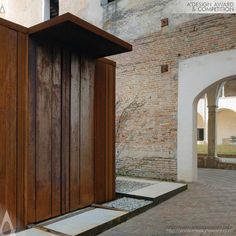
column 146, row 139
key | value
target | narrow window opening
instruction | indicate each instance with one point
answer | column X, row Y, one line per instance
column 105, row 2
column 200, row 134
column 54, row 8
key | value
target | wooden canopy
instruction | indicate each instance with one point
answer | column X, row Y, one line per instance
column 77, row 34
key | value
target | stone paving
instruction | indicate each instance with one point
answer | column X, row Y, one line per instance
column 208, row 207
column 125, row 185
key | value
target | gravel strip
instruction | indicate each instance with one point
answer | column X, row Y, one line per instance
column 126, row 186
column 127, row 204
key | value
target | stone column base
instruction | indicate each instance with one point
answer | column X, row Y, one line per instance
column 214, row 162
column 211, row 162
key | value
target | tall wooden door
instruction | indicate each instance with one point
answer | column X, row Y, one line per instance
column 61, row 160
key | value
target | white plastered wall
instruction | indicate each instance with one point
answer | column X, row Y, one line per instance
column 26, row 13
column 195, row 76
column 90, row 11
column 226, row 124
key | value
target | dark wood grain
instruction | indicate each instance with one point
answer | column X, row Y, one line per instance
column 107, row 141
column 8, row 122
column 87, row 132
column 22, row 128
column 57, row 117
column 104, row 131
column 43, row 134
column 111, row 131
column 56, row 131
column 100, row 127
column 30, row 191
column 75, row 132
column 65, row 147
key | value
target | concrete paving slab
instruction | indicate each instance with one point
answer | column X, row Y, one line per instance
column 85, row 221
column 95, row 220
column 34, row 232
column 138, row 180
column 157, row 190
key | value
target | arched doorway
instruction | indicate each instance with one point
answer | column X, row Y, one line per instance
column 196, row 75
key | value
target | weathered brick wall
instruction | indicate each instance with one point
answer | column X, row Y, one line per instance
column 132, row 19
column 147, row 99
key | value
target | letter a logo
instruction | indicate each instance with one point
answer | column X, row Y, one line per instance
column 2, row 9
column 8, row 224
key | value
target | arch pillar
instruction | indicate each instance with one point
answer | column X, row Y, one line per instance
column 212, row 131
column 212, row 100
column 196, row 76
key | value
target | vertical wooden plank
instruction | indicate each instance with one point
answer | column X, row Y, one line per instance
column 22, row 127
column 65, row 131
column 31, row 160
column 104, row 131
column 107, row 141
column 44, row 164
column 43, row 134
column 10, row 86
column 75, row 133
column 111, row 131
column 8, row 122
column 87, row 132
column 100, row 145
column 56, row 131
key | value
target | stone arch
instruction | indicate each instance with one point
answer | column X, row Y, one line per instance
column 196, row 76
column 225, row 109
